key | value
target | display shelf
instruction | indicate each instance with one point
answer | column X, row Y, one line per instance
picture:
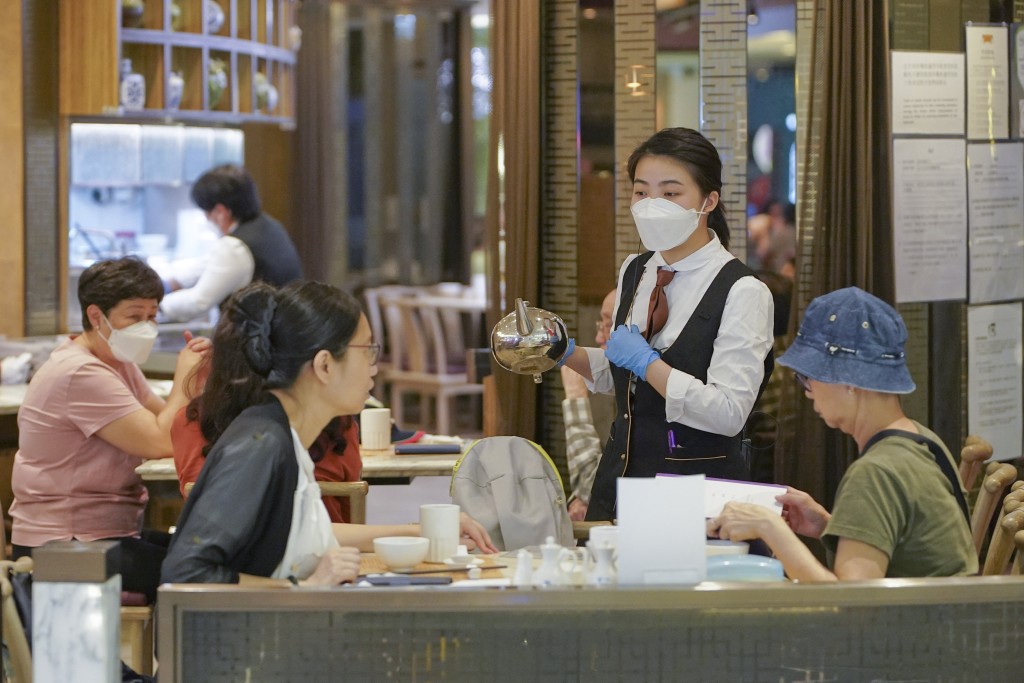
column 178, row 36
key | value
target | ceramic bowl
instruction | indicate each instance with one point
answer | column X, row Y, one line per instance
column 720, row 547
column 401, row 552
column 744, row 568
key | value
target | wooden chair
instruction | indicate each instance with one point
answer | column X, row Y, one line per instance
column 380, row 328
column 997, row 477
column 1018, row 541
column 581, row 530
column 13, row 629
column 976, row 450
column 354, row 490
column 421, row 363
column 1001, row 547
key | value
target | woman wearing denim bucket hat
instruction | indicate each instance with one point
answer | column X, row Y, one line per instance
column 899, row 509
column 691, row 349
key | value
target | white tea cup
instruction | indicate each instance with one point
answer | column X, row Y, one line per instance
column 375, row 428
column 440, row 523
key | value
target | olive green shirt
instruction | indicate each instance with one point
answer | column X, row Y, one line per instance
column 896, row 498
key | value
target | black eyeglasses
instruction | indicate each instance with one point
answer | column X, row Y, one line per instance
column 802, row 381
column 372, row 351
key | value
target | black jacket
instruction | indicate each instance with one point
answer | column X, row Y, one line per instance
column 237, row 517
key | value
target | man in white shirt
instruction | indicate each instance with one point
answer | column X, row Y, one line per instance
column 254, row 247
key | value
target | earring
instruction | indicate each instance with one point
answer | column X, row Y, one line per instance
column 849, row 390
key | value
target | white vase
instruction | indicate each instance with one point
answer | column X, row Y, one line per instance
column 133, row 88
column 175, row 89
column 214, row 16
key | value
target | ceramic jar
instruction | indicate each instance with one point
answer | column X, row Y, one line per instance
column 175, row 89
column 266, row 93
column 216, row 81
column 133, row 88
column 131, row 13
column 175, row 16
column 214, row 16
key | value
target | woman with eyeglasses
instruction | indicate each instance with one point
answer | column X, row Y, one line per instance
column 691, row 347
column 223, row 386
column 900, row 509
column 255, row 512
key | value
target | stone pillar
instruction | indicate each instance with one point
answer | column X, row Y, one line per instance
column 76, row 612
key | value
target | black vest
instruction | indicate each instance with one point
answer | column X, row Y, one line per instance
column 642, row 443
column 276, row 260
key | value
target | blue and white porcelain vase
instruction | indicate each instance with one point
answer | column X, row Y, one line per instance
column 214, row 16
column 175, row 89
column 133, row 88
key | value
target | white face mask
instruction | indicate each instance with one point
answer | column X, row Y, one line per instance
column 664, row 225
column 131, row 344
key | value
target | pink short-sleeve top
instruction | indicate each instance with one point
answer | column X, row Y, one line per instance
column 68, row 482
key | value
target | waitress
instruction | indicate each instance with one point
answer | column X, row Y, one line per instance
column 691, row 349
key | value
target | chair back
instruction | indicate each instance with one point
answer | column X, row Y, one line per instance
column 997, row 477
column 355, row 491
column 375, row 314
column 13, row 628
column 976, row 450
column 1001, row 547
column 511, row 487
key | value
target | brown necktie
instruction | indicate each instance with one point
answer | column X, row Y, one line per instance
column 657, row 310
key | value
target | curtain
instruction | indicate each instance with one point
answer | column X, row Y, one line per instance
column 844, row 220
column 513, row 192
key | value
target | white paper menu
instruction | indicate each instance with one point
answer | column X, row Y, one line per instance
column 994, row 372
column 929, row 219
column 988, row 82
column 927, row 93
column 662, row 533
column 995, row 179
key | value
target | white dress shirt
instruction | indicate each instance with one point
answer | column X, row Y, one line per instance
column 720, row 406
column 229, row 268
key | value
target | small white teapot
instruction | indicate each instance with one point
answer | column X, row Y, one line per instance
column 557, row 567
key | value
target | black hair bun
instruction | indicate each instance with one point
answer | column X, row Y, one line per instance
column 257, row 308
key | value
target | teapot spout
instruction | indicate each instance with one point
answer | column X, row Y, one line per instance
column 523, row 324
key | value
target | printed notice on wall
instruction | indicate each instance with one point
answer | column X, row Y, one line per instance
column 929, row 219
column 994, row 370
column 988, row 83
column 995, row 184
column 927, row 93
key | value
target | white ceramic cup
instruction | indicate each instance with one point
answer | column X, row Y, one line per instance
column 375, row 428
column 440, row 523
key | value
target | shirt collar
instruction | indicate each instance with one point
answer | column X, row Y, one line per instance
column 694, row 261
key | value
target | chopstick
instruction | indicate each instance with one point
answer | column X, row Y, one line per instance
column 448, row 570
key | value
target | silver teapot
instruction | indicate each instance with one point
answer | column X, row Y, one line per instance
column 529, row 341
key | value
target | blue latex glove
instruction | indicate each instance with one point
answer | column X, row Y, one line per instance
column 628, row 349
column 568, row 352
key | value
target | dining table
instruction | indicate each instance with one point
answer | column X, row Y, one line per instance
column 383, row 464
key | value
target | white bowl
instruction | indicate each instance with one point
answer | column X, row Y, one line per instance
column 720, row 547
column 401, row 552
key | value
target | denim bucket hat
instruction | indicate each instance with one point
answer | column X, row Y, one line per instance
column 851, row 337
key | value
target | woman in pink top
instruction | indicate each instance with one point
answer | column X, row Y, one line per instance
column 88, row 420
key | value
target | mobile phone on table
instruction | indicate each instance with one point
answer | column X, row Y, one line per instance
column 405, row 580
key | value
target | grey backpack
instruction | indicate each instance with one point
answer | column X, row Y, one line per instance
column 510, row 485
